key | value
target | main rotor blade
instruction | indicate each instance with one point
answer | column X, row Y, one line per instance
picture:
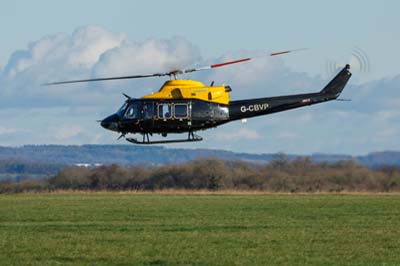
column 103, row 79
column 174, row 72
column 240, row 60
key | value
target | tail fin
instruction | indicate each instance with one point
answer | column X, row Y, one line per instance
column 337, row 84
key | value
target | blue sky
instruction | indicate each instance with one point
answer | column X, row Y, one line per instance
column 48, row 32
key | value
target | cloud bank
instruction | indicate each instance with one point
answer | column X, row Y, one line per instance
column 34, row 114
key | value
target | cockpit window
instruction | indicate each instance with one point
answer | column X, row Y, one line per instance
column 122, row 109
column 132, row 111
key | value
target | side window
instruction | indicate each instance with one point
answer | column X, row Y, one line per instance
column 181, row 110
column 148, row 111
column 164, row 111
column 132, row 112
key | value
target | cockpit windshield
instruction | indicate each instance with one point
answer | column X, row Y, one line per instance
column 121, row 110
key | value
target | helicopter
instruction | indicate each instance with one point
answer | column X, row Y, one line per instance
column 188, row 106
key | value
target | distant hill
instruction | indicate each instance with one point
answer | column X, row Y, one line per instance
column 118, row 154
column 131, row 154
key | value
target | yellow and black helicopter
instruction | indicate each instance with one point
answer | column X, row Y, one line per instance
column 187, row 106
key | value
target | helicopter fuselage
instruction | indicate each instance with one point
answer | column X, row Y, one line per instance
column 163, row 116
column 181, row 115
column 177, row 114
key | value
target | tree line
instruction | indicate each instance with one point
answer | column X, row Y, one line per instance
column 279, row 175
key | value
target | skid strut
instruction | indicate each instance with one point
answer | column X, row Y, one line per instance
column 146, row 139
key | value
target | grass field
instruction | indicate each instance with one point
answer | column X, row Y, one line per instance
column 191, row 229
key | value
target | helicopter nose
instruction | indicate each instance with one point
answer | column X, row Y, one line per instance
column 111, row 122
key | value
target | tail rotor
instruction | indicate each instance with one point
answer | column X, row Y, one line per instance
column 358, row 59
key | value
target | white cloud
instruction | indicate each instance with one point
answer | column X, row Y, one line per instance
column 150, row 56
column 7, row 130
column 65, row 132
column 62, row 55
column 89, row 43
column 240, row 134
column 88, row 52
column 287, row 136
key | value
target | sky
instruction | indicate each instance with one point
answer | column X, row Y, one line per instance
column 46, row 40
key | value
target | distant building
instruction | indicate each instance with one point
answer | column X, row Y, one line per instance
column 88, row 165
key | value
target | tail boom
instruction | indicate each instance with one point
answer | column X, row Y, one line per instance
column 263, row 106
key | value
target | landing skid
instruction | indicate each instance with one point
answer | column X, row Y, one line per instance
column 146, row 140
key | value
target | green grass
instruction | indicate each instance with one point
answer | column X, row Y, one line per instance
column 179, row 229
